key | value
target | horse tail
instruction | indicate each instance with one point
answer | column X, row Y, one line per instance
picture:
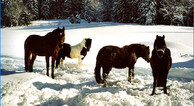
column 97, row 73
column 27, row 54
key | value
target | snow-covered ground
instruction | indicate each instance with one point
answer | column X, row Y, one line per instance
column 75, row 85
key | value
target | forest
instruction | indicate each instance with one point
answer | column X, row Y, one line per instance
column 145, row 12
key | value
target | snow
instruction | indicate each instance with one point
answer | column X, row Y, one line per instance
column 75, row 85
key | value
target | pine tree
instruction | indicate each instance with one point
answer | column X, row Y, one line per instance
column 125, row 11
column 147, row 12
column 45, row 11
column 32, row 6
column 106, row 10
column 76, row 10
column 14, row 13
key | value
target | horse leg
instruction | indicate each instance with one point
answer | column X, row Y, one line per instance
column 129, row 74
column 53, row 65
column 106, row 71
column 62, row 60
column 154, row 86
column 165, row 90
column 58, row 61
column 83, row 58
column 27, row 60
column 79, row 61
column 32, row 62
column 47, row 65
column 132, row 72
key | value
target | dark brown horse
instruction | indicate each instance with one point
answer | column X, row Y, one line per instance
column 160, row 62
column 113, row 56
column 48, row 45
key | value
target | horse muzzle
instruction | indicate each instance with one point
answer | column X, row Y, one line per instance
column 160, row 52
column 148, row 60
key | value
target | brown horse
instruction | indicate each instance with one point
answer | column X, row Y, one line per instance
column 113, row 56
column 160, row 62
column 48, row 45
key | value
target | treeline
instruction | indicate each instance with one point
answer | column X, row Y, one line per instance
column 168, row 12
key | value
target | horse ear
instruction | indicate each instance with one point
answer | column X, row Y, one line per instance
column 156, row 36
column 63, row 28
column 163, row 36
column 58, row 28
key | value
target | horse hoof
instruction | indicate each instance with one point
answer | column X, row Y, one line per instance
column 105, row 85
column 166, row 93
column 153, row 94
column 129, row 81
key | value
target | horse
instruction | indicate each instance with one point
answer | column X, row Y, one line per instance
column 48, row 45
column 113, row 56
column 160, row 62
column 77, row 51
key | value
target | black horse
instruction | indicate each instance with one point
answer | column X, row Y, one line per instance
column 113, row 56
column 160, row 62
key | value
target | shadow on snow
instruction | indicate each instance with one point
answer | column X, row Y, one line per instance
column 186, row 64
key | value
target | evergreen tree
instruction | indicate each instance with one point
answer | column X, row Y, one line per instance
column 76, row 10
column 14, row 12
column 106, row 9
column 147, row 12
column 32, row 6
column 45, row 9
column 93, row 10
column 125, row 11
column 169, row 12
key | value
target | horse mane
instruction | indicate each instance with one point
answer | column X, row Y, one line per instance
column 132, row 47
column 51, row 34
column 81, row 44
column 137, row 48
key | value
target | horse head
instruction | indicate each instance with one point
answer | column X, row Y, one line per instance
column 88, row 43
column 160, row 46
column 60, row 33
column 145, row 51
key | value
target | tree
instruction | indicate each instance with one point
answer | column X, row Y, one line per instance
column 147, row 12
column 188, row 20
column 106, row 9
column 125, row 11
column 76, row 10
column 13, row 12
column 45, row 9
column 174, row 12
column 32, row 6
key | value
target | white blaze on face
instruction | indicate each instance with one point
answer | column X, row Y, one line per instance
column 61, row 34
column 160, row 50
